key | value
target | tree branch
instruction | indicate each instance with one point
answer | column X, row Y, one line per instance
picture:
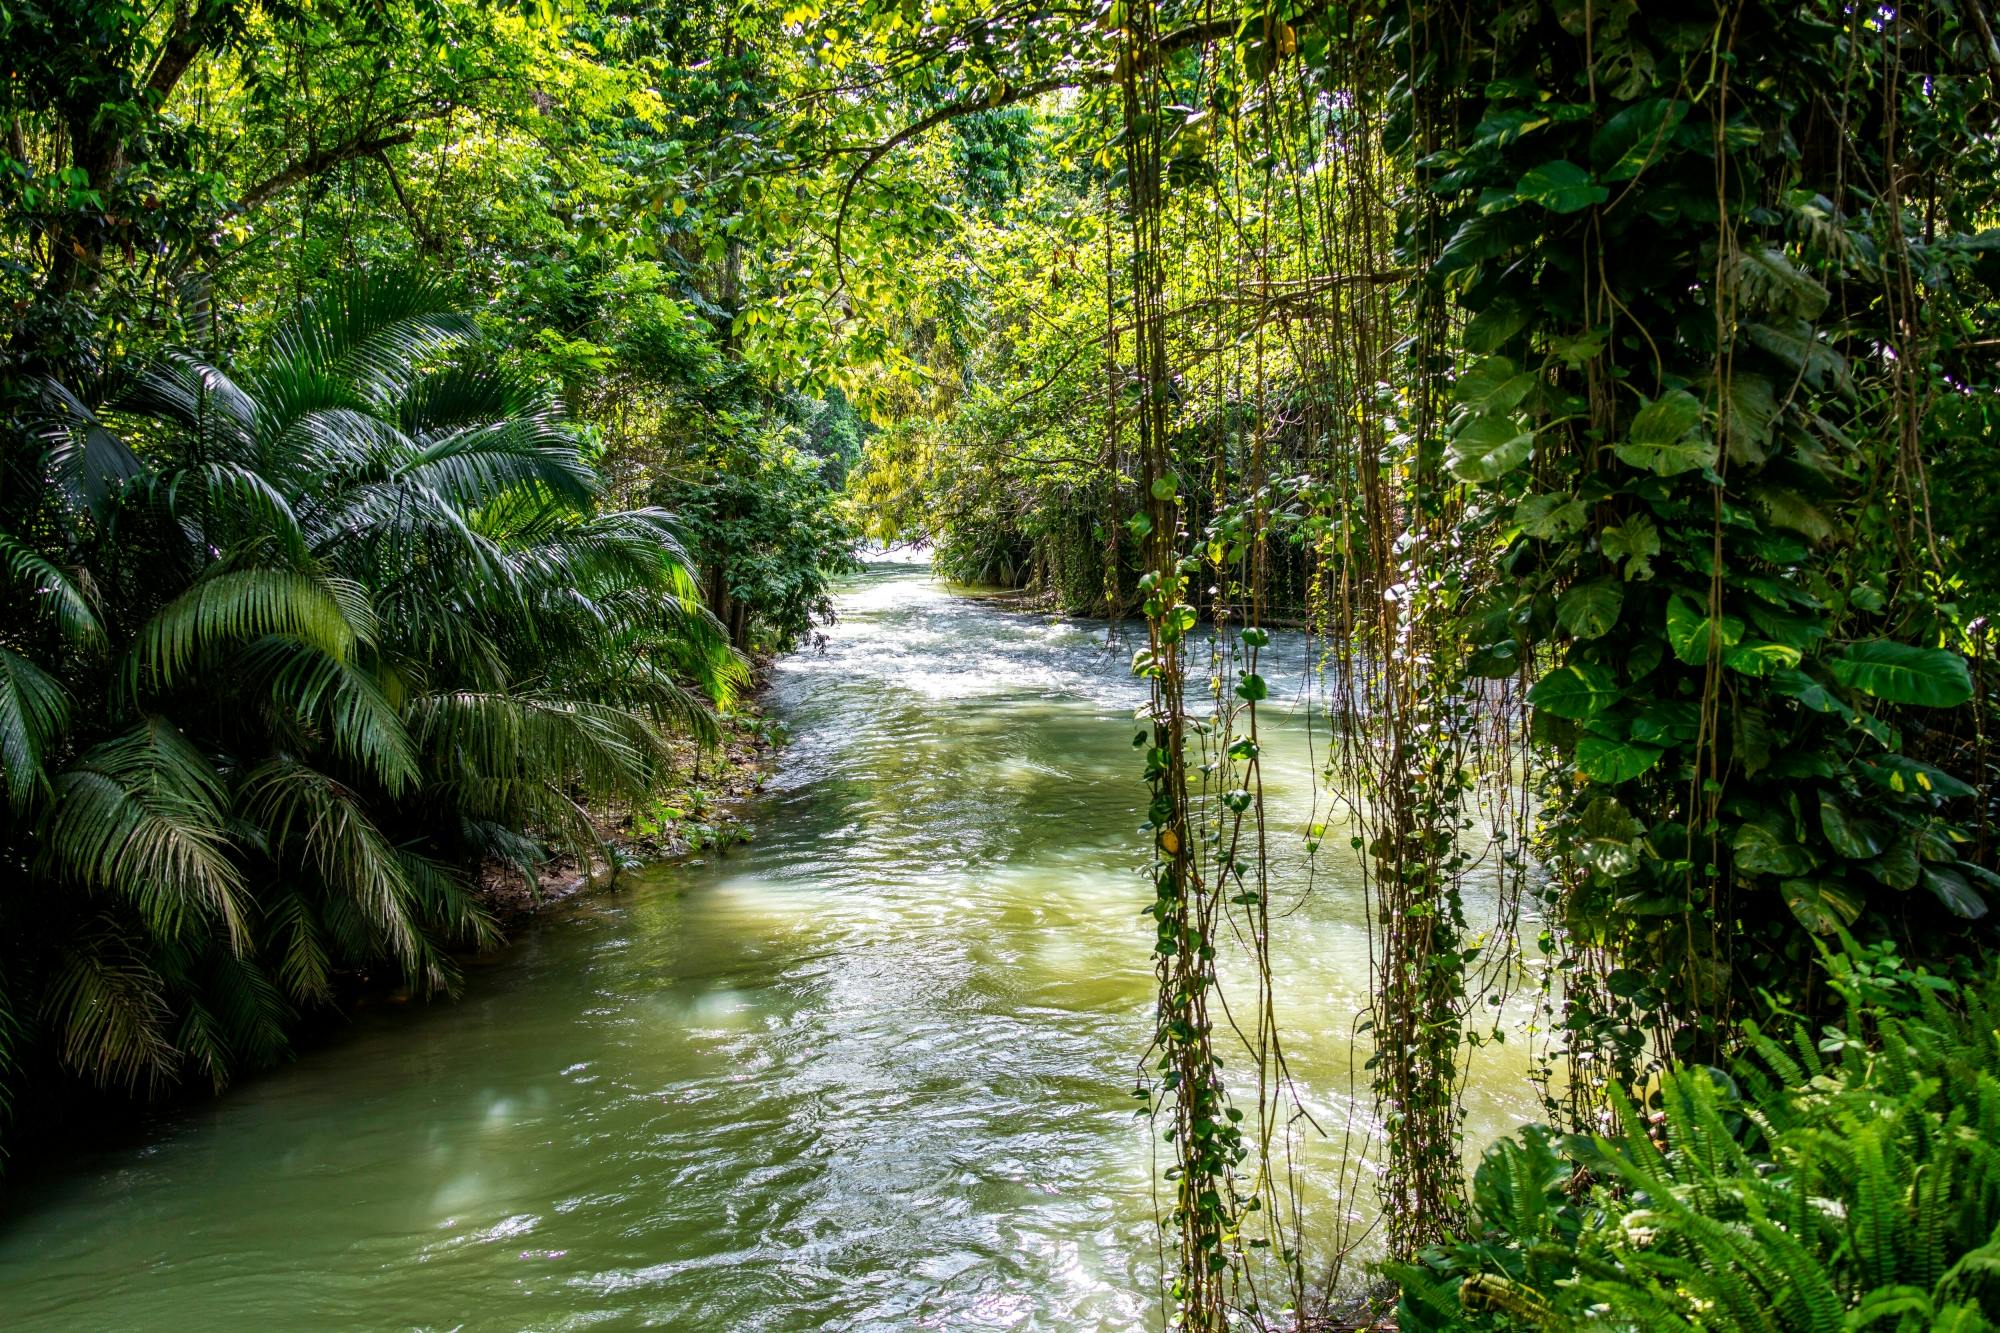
column 312, row 164
column 1180, row 39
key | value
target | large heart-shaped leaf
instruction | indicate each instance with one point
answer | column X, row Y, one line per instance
column 1635, row 541
column 1851, row 837
column 1494, row 385
column 1589, row 610
column 1488, row 448
column 1765, row 846
column 1903, row 775
column 1561, row 187
column 1822, row 906
column 1898, row 867
column 1665, row 436
column 1694, row 635
column 1579, row 691
column 1635, row 137
column 1610, row 761
column 1549, row 517
column 1953, row 890
column 1902, row 673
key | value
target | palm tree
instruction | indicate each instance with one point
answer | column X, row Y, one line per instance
column 290, row 650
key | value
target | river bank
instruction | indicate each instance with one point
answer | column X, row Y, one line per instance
column 872, row 1070
column 703, row 808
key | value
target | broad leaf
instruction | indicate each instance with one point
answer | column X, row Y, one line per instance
column 1610, row 761
column 1665, row 436
column 1853, row 838
column 1902, row 673
column 1694, row 635
column 1635, row 541
column 1765, row 846
column 1903, row 775
column 1822, row 906
column 1550, row 517
column 1579, row 691
column 1954, row 892
column 1589, row 610
column 1493, row 385
column 1760, row 658
column 1635, row 137
column 1561, row 187
column 1487, row 448
column 1899, row 866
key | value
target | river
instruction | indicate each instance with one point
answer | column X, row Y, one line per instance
column 872, row 1071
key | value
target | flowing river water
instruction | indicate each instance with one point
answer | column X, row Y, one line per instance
column 872, row 1071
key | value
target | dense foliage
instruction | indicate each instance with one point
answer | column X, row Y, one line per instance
column 300, row 642
column 338, row 430
column 1841, row 1179
column 1606, row 388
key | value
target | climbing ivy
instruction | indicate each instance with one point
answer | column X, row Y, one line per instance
column 1695, row 256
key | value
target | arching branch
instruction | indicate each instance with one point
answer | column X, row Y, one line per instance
column 1180, row 39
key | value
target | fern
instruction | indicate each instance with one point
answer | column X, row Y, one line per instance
column 1801, row 1196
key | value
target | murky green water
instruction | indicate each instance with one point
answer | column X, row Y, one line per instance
column 871, row 1072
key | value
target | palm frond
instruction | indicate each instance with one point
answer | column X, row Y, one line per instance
column 108, row 1011
column 375, row 330
column 292, row 935
column 316, row 823
column 365, row 728
column 475, row 465
column 499, row 736
column 87, row 463
column 226, row 505
column 201, row 400
column 34, row 713
column 52, row 592
column 142, row 816
column 230, row 607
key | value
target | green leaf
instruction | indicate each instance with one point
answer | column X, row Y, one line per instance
column 1765, row 846
column 1607, row 838
column 1635, row 137
column 1490, row 329
column 1809, row 693
column 1750, row 409
column 1693, row 635
column 1852, row 838
column 1635, row 541
column 1769, row 283
column 1666, row 438
column 1797, row 344
column 1760, row 658
column 1610, row 761
column 1822, row 906
column 1487, row 448
column 1785, row 508
column 1579, row 691
column 1550, row 517
column 1479, row 238
column 1494, row 385
column 1902, row 673
column 1589, row 610
column 1561, row 187
column 1898, row 867
column 1954, row 892
column 1904, row 775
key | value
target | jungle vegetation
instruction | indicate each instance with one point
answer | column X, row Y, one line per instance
column 1608, row 390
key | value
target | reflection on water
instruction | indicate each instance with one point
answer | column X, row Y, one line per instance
column 871, row 1072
